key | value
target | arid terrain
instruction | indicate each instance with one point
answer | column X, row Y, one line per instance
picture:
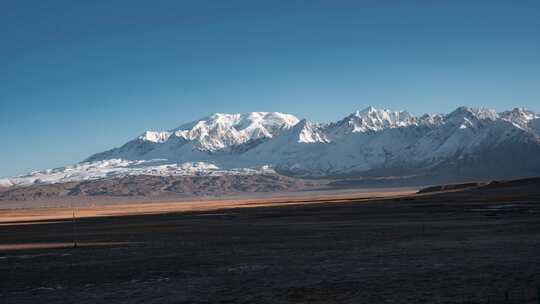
column 475, row 244
column 155, row 186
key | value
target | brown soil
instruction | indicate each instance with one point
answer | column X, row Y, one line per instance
column 151, row 186
column 13, row 216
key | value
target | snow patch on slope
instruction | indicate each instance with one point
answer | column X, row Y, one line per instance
column 114, row 168
column 155, row 137
column 5, row 182
column 520, row 117
column 310, row 132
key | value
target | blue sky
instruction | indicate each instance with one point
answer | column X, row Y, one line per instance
column 79, row 77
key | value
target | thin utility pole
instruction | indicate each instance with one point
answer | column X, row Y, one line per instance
column 74, row 221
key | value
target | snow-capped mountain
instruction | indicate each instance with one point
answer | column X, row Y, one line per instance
column 466, row 143
column 371, row 120
column 216, row 134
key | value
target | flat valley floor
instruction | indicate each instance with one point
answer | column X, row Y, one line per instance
column 478, row 245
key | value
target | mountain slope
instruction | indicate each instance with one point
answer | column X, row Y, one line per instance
column 153, row 185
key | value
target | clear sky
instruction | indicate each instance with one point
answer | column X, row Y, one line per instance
column 78, row 77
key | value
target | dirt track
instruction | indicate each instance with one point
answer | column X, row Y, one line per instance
column 11, row 216
column 467, row 246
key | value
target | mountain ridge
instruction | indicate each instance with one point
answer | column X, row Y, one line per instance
column 369, row 140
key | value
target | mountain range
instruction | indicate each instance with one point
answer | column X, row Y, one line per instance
column 376, row 144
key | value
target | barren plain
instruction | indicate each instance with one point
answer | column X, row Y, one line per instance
column 472, row 245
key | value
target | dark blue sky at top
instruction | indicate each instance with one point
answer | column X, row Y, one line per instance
column 79, row 77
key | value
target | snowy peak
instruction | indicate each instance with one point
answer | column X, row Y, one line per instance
column 467, row 118
column 155, row 137
column 473, row 114
column 431, row 120
column 304, row 132
column 309, row 132
column 221, row 130
column 520, row 117
column 371, row 119
column 242, row 121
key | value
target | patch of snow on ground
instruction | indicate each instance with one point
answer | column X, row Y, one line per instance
column 5, row 182
column 114, row 168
